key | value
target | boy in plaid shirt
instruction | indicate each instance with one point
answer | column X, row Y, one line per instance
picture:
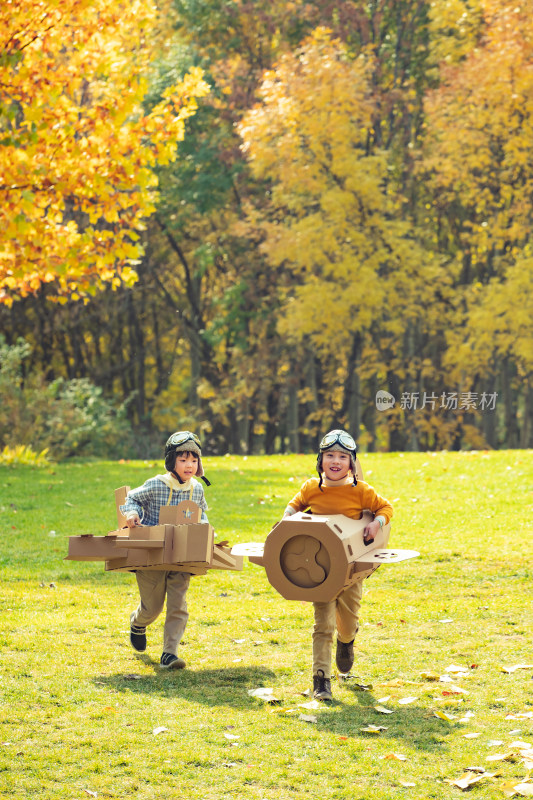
column 183, row 461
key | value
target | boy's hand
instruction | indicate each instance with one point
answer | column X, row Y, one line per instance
column 133, row 521
column 370, row 531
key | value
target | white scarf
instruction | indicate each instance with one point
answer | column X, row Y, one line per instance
column 173, row 483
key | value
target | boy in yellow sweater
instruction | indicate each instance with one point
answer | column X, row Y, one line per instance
column 337, row 491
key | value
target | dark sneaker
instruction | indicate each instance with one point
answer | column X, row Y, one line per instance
column 170, row 661
column 137, row 636
column 344, row 656
column 321, row 686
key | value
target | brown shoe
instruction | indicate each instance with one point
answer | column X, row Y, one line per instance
column 321, row 686
column 344, row 656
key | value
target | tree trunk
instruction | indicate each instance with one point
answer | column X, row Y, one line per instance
column 293, row 422
column 351, row 407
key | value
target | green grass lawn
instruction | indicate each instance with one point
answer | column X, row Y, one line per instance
column 81, row 714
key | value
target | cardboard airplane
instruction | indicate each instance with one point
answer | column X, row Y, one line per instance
column 315, row 558
column 180, row 543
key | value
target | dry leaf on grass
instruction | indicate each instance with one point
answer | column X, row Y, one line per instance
column 312, row 705
column 469, row 778
column 383, row 710
column 510, row 670
column 231, row 736
column 405, row 701
column 265, row 694
column 430, row 676
column 307, row 718
column 527, row 760
column 442, row 715
column 524, row 789
column 509, row 756
column 374, row 729
column 521, row 788
column 161, row 729
column 394, row 757
column 516, row 751
column 525, row 715
column 471, row 735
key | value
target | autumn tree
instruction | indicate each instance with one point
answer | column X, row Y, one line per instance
column 334, row 222
column 477, row 162
column 325, row 223
column 77, row 148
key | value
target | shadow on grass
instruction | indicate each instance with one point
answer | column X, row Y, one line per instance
column 411, row 725
column 210, row 687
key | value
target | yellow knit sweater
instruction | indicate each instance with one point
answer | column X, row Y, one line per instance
column 344, row 499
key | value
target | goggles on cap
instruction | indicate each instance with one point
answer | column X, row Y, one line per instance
column 180, row 437
column 338, row 437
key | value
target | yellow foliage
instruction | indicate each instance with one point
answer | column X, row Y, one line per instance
column 23, row 454
column 499, row 319
column 79, row 143
column 454, row 28
column 478, row 158
column 332, row 215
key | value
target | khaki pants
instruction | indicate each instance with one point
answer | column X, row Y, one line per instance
column 341, row 613
column 153, row 587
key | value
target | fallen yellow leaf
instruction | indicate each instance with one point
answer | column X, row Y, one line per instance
column 469, row 778
column 442, row 715
column 510, row 756
column 430, row 676
column 373, row 729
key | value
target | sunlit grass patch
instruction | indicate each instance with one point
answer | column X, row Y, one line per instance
column 82, row 713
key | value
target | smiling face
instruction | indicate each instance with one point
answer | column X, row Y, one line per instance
column 186, row 465
column 335, row 465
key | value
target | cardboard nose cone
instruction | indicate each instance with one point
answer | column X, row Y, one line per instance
column 312, row 557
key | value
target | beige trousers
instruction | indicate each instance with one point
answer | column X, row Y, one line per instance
column 154, row 586
column 341, row 613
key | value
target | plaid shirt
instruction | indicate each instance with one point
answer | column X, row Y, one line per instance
column 147, row 499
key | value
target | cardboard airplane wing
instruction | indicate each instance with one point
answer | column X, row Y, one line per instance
column 312, row 557
column 180, row 543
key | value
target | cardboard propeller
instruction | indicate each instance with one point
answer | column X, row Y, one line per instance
column 180, row 543
column 312, row 557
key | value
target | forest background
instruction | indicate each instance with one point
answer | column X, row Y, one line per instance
column 260, row 220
